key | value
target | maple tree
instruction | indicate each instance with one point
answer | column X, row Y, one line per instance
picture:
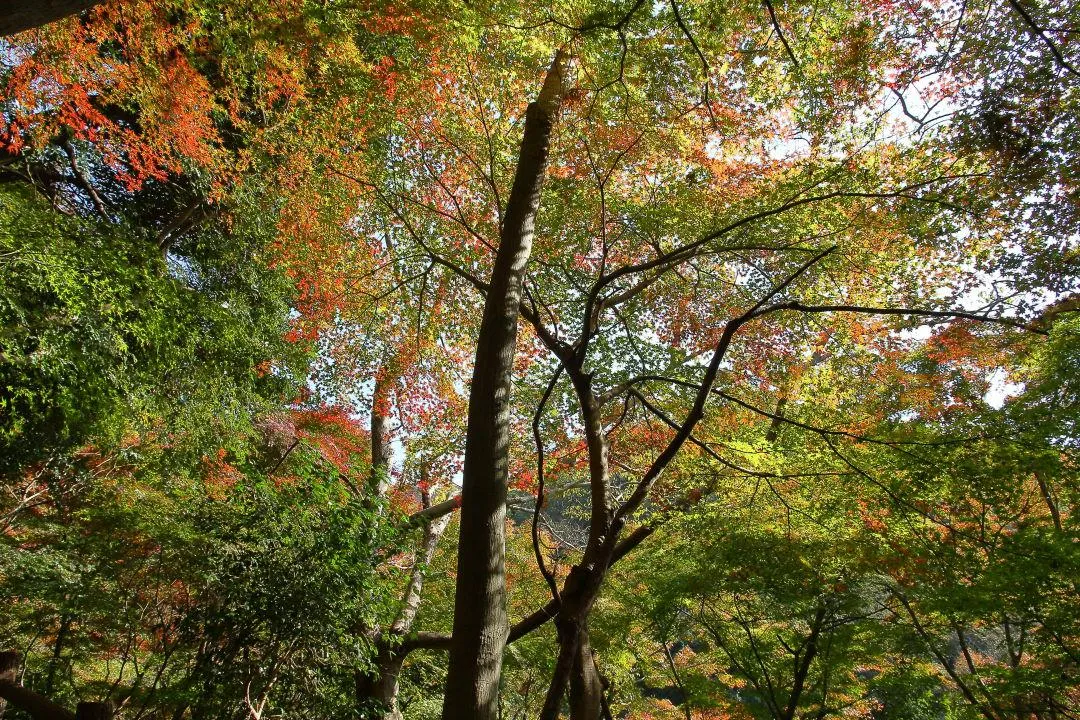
column 766, row 260
column 880, row 194
column 924, row 600
column 186, row 378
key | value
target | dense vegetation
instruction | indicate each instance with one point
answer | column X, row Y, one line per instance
column 743, row 336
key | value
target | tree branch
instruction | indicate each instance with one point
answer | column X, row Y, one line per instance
column 1040, row 33
column 549, row 577
column 779, row 32
column 434, row 512
column 697, row 411
column 916, row 312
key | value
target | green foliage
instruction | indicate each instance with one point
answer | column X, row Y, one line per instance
column 852, row 530
column 757, row 609
column 290, row 582
column 103, row 343
column 205, row 595
column 908, row 692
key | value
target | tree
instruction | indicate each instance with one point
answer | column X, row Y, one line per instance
column 983, row 556
column 750, row 253
column 882, row 204
column 480, row 625
column 17, row 19
column 105, row 345
column 149, row 135
column 229, row 592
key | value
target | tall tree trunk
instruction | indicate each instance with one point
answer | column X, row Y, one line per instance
column 19, row 15
column 586, row 687
column 576, row 671
column 379, row 687
column 377, row 691
column 575, row 667
column 480, row 625
column 380, row 437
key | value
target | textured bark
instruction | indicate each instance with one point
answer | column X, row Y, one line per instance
column 434, row 512
column 380, row 687
column 480, row 624
column 19, row 15
column 586, row 687
column 576, row 671
column 575, row 668
column 411, row 604
column 380, row 439
column 602, row 509
column 34, row 705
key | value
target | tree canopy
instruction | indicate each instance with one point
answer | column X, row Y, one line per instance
column 742, row 336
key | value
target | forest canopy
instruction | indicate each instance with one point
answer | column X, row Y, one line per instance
column 432, row 359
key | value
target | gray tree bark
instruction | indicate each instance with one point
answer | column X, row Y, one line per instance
column 480, row 624
column 378, row 688
column 380, row 439
column 382, row 685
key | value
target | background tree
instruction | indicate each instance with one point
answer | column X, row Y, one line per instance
column 779, row 257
